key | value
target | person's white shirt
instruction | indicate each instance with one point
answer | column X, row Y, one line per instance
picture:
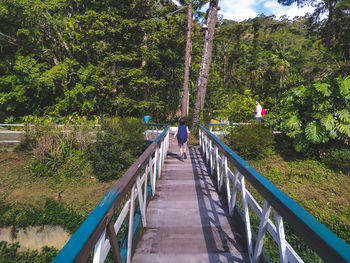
column 258, row 110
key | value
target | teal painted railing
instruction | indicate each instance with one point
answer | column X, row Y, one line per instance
column 319, row 238
column 98, row 233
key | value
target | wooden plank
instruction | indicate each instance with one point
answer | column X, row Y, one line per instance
column 186, row 220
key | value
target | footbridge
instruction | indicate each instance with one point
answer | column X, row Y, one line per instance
column 211, row 207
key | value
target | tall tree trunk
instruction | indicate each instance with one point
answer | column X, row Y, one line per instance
column 184, row 108
column 206, row 56
column 329, row 34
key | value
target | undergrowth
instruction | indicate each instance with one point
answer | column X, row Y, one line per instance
column 9, row 254
column 52, row 213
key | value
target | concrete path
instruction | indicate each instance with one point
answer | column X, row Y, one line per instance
column 186, row 220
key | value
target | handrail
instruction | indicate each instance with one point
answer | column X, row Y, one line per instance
column 324, row 242
column 92, row 233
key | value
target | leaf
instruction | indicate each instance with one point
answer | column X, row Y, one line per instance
column 299, row 91
column 323, row 88
column 333, row 134
column 343, row 115
column 315, row 133
column 292, row 123
column 344, row 86
column 343, row 128
column 328, row 121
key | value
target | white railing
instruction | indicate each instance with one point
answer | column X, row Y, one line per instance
column 99, row 232
column 326, row 244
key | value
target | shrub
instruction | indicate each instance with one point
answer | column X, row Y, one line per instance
column 118, row 145
column 251, row 141
column 52, row 213
column 9, row 253
column 338, row 159
column 58, row 149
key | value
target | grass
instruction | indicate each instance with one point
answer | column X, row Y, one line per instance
column 19, row 188
column 323, row 193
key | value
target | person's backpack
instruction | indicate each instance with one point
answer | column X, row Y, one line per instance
column 263, row 112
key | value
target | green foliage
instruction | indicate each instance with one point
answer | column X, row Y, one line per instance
column 10, row 120
column 251, row 141
column 58, row 150
column 317, row 114
column 117, row 147
column 338, row 159
column 52, row 213
column 62, row 57
column 237, row 108
column 9, row 254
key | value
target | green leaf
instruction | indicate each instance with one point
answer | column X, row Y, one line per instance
column 343, row 115
column 299, row 91
column 333, row 134
column 323, row 88
column 343, row 128
column 315, row 133
column 344, row 86
column 292, row 123
column 328, row 121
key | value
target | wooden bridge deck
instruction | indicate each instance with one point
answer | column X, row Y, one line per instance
column 186, row 220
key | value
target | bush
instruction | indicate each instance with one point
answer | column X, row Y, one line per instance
column 52, row 213
column 117, row 147
column 338, row 159
column 58, row 150
column 9, row 253
column 251, row 141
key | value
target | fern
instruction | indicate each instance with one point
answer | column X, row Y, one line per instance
column 315, row 133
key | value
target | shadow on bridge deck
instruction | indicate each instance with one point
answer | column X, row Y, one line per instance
column 186, row 220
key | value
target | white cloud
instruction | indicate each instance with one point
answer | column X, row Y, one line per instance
column 237, row 10
column 290, row 11
column 243, row 9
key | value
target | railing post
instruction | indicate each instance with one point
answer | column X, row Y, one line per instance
column 141, row 200
column 200, row 138
column 232, row 202
column 216, row 150
column 159, row 163
column 154, row 177
column 131, row 220
column 209, row 149
column 262, row 230
column 228, row 190
column 207, row 145
column 145, row 192
column 98, row 248
column 247, row 220
column 114, row 243
column 281, row 237
column 203, row 144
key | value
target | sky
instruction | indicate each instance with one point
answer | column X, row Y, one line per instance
column 240, row 10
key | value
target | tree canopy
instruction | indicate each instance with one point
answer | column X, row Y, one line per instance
column 92, row 58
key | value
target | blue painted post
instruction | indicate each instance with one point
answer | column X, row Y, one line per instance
column 146, row 119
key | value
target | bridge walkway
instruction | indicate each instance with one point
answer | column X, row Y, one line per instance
column 186, row 220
